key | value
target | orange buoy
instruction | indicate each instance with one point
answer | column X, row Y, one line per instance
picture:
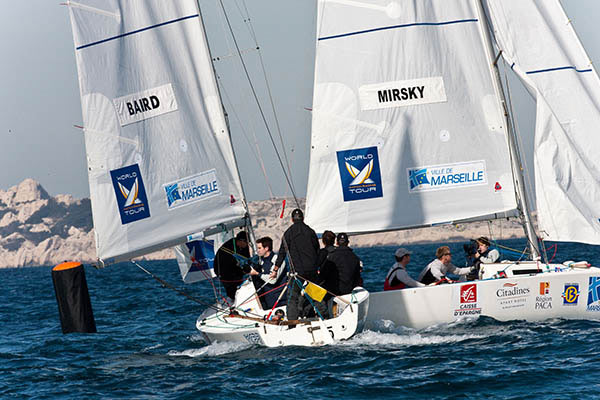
column 73, row 298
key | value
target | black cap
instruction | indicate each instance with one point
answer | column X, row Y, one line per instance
column 342, row 238
column 242, row 236
column 297, row 215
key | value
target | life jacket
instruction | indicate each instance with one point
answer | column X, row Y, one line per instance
column 394, row 284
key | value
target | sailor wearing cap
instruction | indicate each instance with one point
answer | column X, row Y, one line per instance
column 347, row 265
column 397, row 277
column 484, row 254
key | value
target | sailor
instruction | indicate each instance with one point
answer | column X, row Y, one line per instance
column 397, row 277
column 484, row 254
column 327, row 271
column 271, row 288
column 301, row 245
column 438, row 268
column 227, row 265
column 347, row 265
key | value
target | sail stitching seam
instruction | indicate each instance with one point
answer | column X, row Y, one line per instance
column 459, row 21
column 136, row 31
column 558, row 69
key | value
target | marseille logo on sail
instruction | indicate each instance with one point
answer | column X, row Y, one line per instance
column 192, row 189
column 360, row 173
column 131, row 194
column 447, row 176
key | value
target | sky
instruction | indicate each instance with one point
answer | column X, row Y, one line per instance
column 39, row 92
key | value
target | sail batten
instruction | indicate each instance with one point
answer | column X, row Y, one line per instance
column 407, row 128
column 160, row 162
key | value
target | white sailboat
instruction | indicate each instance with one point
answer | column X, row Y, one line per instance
column 407, row 96
column 162, row 170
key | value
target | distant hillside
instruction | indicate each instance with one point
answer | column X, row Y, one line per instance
column 37, row 229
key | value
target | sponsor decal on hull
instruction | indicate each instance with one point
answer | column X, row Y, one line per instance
column 253, row 338
column 360, row 173
column 468, row 301
column 570, row 294
column 512, row 295
column 543, row 301
column 593, row 300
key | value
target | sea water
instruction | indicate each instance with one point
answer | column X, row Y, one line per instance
column 147, row 346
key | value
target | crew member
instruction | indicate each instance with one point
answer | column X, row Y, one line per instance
column 327, row 270
column 347, row 265
column 438, row 268
column 301, row 245
column 271, row 287
column 227, row 266
column 397, row 277
column 484, row 254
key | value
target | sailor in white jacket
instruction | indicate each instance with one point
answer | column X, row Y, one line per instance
column 442, row 265
column 397, row 277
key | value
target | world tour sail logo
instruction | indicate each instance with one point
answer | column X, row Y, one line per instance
column 447, row 176
column 131, row 194
column 571, row 294
column 593, row 301
column 192, row 189
column 360, row 173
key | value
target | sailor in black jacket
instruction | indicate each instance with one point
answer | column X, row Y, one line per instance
column 301, row 245
column 347, row 265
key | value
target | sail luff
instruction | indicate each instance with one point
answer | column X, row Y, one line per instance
column 516, row 159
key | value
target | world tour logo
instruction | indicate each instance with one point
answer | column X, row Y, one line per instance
column 131, row 194
column 593, row 301
column 448, row 176
column 360, row 173
column 570, row 294
column 192, row 189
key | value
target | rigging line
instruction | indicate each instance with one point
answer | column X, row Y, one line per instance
column 258, row 104
column 257, row 154
column 527, row 182
column 262, row 65
column 181, row 292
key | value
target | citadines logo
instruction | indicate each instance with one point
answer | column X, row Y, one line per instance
column 192, row 189
column 447, row 176
column 360, row 173
column 131, row 194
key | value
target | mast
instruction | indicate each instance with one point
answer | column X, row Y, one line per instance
column 514, row 151
column 244, row 200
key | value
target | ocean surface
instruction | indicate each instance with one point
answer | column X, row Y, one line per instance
column 147, row 346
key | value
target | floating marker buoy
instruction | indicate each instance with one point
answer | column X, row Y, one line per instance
column 74, row 305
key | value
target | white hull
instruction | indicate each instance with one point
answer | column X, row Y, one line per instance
column 556, row 292
column 220, row 326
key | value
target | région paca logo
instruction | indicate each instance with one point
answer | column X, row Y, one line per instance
column 131, row 194
column 360, row 173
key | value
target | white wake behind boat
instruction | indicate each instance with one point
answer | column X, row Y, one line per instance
column 408, row 97
column 248, row 323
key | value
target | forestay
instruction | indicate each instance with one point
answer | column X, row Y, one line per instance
column 161, row 166
column 407, row 127
column 560, row 75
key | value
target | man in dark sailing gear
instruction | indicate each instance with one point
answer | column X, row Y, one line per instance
column 397, row 277
column 271, row 287
column 301, row 245
column 227, row 266
column 327, row 270
column 347, row 265
column 442, row 265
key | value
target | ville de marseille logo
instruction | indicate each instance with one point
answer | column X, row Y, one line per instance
column 360, row 173
column 593, row 301
column 131, row 194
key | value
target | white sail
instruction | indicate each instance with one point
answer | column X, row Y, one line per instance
column 540, row 44
column 161, row 165
column 407, row 126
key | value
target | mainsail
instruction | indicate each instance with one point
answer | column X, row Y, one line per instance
column 559, row 74
column 161, row 165
column 408, row 129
